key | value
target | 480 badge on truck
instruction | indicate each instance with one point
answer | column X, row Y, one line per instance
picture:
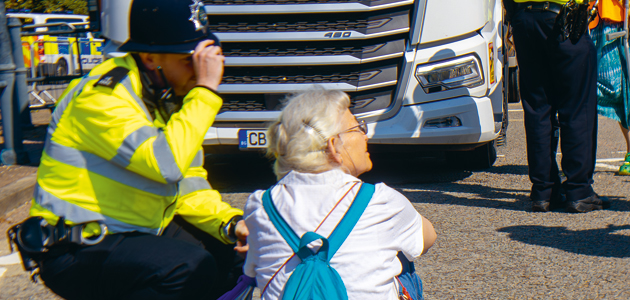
column 338, row 34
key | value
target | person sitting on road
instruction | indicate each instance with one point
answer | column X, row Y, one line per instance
column 122, row 171
column 320, row 148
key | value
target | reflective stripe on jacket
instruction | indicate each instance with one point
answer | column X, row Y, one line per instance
column 105, row 159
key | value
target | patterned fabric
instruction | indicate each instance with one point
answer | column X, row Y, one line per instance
column 612, row 78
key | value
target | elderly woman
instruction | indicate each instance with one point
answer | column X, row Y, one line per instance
column 320, row 148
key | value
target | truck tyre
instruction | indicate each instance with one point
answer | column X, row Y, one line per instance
column 61, row 68
column 513, row 94
column 477, row 159
column 505, row 121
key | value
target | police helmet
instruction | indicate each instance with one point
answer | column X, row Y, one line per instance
column 166, row 26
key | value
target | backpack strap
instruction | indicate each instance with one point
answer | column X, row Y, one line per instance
column 350, row 219
column 339, row 234
column 281, row 225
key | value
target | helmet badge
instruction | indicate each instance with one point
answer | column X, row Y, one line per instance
column 198, row 16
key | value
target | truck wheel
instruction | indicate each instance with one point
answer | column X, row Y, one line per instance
column 502, row 139
column 61, row 68
column 478, row 159
column 514, row 96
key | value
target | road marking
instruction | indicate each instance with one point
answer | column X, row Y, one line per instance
column 2, row 270
column 514, row 110
column 10, row 259
column 605, row 166
column 610, row 159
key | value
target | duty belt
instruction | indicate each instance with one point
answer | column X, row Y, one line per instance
column 36, row 239
column 540, row 6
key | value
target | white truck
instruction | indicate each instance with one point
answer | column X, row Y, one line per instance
column 423, row 74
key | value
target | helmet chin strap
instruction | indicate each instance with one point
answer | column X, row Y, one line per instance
column 160, row 94
column 167, row 88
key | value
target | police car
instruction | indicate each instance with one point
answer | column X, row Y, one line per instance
column 57, row 55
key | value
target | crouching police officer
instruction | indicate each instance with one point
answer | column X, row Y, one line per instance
column 122, row 208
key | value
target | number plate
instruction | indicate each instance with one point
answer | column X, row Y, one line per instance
column 252, row 139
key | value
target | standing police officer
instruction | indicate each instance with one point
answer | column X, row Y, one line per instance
column 557, row 79
column 121, row 184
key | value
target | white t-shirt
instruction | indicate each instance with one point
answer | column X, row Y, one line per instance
column 366, row 261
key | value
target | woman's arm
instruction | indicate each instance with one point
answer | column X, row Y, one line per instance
column 428, row 234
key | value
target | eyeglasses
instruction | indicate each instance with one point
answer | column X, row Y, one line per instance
column 362, row 127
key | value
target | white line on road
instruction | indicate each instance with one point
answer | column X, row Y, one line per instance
column 10, row 259
column 509, row 110
column 605, row 166
column 610, row 159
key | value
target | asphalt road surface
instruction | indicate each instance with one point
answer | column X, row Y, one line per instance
column 490, row 244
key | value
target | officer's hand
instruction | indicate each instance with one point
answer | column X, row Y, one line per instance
column 241, row 232
column 208, row 63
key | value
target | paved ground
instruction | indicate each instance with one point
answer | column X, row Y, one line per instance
column 490, row 244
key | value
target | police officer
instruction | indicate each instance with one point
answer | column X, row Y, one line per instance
column 123, row 164
column 557, row 79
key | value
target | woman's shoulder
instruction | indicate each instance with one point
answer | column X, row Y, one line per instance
column 383, row 190
column 254, row 202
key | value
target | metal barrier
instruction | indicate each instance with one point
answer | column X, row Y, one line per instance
column 46, row 86
column 44, row 96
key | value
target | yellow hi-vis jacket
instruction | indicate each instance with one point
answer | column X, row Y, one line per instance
column 105, row 159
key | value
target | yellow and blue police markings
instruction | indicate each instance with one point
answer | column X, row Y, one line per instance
column 57, row 47
column 55, row 50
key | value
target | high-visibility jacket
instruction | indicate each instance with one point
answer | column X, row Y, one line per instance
column 609, row 10
column 106, row 159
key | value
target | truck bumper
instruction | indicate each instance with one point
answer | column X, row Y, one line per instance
column 409, row 125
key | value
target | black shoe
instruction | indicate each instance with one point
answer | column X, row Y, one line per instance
column 540, row 205
column 558, row 200
column 591, row 203
column 546, row 205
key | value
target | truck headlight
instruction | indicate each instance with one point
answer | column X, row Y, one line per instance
column 450, row 74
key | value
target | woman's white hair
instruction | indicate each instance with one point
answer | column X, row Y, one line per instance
column 298, row 139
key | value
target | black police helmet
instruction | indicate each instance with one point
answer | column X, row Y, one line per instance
column 167, row 26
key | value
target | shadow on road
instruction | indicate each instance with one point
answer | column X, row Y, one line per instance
column 605, row 242
column 509, row 169
column 400, row 168
column 244, row 172
column 476, row 195
column 248, row 171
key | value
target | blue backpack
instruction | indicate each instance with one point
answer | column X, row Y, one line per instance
column 314, row 278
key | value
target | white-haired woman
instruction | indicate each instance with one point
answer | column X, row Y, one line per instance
column 320, row 148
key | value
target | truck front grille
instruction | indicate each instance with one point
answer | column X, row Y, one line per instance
column 273, row 2
column 278, row 47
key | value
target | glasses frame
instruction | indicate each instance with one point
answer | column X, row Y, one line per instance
column 362, row 127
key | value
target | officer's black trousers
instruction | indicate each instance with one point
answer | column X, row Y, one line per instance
column 183, row 263
column 557, row 78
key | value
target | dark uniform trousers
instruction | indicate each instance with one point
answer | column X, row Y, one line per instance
column 182, row 263
column 557, row 80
